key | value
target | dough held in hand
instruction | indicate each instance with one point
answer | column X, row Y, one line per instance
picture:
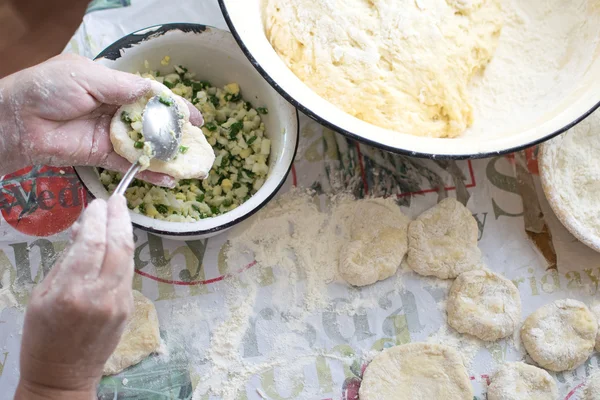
column 378, row 243
column 561, row 335
column 520, row 381
column 484, row 304
column 140, row 339
column 416, row 371
column 442, row 241
column 195, row 162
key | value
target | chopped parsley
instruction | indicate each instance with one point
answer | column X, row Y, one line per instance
column 211, row 126
column 262, row 110
column 125, row 117
column 234, row 129
column 183, row 149
column 214, row 100
column 167, row 101
column 161, row 208
column 138, row 145
column 251, row 140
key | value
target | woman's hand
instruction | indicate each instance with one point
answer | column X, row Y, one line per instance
column 59, row 112
column 76, row 316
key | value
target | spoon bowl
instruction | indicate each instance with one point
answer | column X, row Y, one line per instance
column 161, row 128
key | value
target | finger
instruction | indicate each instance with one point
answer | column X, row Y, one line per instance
column 110, row 86
column 196, row 117
column 83, row 259
column 117, row 266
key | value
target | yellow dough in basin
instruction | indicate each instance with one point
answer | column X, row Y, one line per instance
column 403, row 65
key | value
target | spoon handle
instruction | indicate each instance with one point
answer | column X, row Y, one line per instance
column 127, row 178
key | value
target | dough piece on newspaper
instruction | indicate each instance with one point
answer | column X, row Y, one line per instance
column 520, row 381
column 378, row 243
column 592, row 388
column 561, row 335
column 596, row 312
column 126, row 128
column 443, row 241
column 484, row 304
column 140, row 339
column 416, row 371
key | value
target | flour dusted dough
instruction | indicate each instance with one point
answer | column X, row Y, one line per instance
column 195, row 163
column 400, row 64
column 378, row 242
column 561, row 335
column 140, row 339
column 596, row 312
column 570, row 172
column 484, row 304
column 416, row 371
column 443, row 241
column 592, row 389
column 520, row 381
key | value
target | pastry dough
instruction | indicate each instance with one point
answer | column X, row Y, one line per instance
column 484, row 304
column 378, row 243
column 196, row 162
column 520, row 381
column 443, row 241
column 140, row 339
column 416, row 371
column 561, row 335
column 403, row 65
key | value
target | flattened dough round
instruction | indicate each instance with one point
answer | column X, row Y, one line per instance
column 520, row 381
column 561, row 335
column 592, row 388
column 378, row 243
column 596, row 312
column 196, row 162
column 443, row 241
column 484, row 304
column 140, row 339
column 416, row 371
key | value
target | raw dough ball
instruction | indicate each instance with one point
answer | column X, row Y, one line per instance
column 560, row 336
column 403, row 65
column 196, row 162
column 140, row 339
column 416, row 371
column 592, row 389
column 484, row 304
column 378, row 243
column 443, row 241
column 596, row 311
column 520, row 381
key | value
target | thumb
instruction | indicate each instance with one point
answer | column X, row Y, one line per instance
column 109, row 86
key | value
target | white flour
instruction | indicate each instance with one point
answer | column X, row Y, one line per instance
column 300, row 244
column 545, row 46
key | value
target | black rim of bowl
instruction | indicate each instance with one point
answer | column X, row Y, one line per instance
column 361, row 139
column 113, row 52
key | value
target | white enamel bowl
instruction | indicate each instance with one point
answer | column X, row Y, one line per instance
column 214, row 56
column 246, row 24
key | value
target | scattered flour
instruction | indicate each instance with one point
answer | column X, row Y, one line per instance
column 467, row 346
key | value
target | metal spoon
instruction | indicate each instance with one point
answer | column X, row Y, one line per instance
column 160, row 127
